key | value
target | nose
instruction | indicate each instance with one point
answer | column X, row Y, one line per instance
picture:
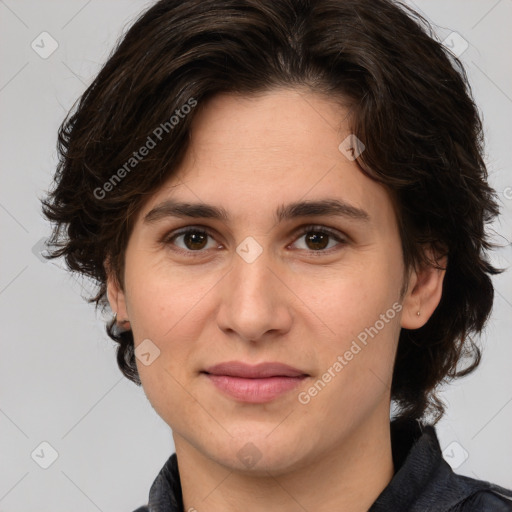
column 255, row 302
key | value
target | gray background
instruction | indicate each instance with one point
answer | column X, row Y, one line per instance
column 59, row 381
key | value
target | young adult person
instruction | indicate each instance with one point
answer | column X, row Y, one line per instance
column 284, row 204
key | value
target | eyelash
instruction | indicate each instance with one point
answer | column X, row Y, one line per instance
column 169, row 238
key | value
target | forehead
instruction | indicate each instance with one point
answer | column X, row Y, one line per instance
column 271, row 126
column 250, row 154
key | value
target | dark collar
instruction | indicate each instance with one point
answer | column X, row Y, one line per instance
column 423, row 480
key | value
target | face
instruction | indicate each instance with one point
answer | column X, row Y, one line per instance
column 314, row 287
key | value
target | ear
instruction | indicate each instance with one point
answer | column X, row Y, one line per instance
column 424, row 291
column 116, row 297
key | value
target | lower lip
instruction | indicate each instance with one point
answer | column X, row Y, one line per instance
column 255, row 390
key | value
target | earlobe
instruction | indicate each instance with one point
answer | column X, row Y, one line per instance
column 116, row 298
column 424, row 294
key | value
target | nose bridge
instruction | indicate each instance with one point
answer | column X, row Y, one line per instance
column 252, row 303
column 251, row 277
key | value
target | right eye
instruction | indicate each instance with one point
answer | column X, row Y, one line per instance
column 193, row 240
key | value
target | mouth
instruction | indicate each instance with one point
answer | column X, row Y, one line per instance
column 254, row 384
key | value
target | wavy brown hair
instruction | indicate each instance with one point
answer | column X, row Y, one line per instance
column 411, row 105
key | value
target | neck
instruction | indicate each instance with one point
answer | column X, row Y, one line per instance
column 349, row 477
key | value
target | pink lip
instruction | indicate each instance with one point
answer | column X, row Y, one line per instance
column 239, row 369
column 254, row 384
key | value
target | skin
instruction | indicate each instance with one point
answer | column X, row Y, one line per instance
column 295, row 304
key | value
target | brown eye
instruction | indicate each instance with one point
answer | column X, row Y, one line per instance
column 317, row 239
column 190, row 240
column 195, row 240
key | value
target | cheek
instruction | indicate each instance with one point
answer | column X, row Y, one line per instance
column 163, row 298
column 361, row 316
column 168, row 307
column 350, row 298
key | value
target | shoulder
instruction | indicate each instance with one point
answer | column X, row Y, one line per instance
column 485, row 497
column 425, row 482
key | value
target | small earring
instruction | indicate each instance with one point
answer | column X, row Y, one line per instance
column 418, row 313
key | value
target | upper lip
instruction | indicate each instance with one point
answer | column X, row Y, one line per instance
column 262, row 370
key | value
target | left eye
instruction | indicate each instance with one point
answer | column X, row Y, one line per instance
column 316, row 239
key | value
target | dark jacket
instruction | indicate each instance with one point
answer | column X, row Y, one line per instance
column 423, row 481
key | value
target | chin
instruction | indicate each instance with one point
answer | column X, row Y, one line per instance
column 258, row 453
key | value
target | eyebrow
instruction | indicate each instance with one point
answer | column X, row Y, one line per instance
column 312, row 208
